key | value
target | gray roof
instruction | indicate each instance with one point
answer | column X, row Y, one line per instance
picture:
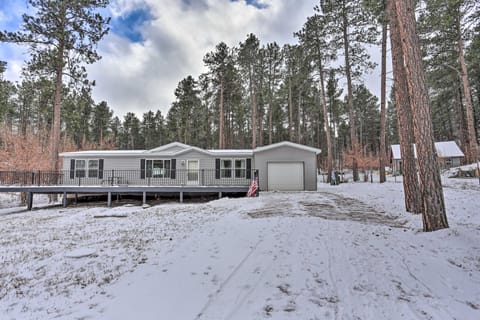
column 288, row 144
column 177, row 148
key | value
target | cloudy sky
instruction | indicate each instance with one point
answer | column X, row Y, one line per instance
column 154, row 44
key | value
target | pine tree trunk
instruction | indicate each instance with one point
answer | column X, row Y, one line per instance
column 254, row 119
column 326, row 121
column 413, row 201
column 472, row 145
column 57, row 103
column 57, row 109
column 461, row 125
column 260, row 126
column 351, row 115
column 270, row 120
column 299, row 119
column 383, row 97
column 434, row 213
column 101, row 137
column 221, row 133
column 290, row 110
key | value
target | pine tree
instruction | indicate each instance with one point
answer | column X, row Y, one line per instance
column 149, row 129
column 7, row 92
column 352, row 28
column 379, row 10
column 130, row 135
column 367, row 119
column 411, row 187
column 273, row 61
column 313, row 37
column 182, row 121
column 218, row 62
column 434, row 213
column 247, row 60
column 447, row 25
column 101, row 118
column 61, row 35
column 335, row 107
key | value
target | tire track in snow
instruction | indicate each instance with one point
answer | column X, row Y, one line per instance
column 280, row 233
column 332, row 278
column 277, row 256
column 227, row 280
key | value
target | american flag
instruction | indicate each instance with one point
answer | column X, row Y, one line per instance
column 252, row 191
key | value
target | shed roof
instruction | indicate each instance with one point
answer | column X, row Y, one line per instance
column 445, row 149
column 448, row 149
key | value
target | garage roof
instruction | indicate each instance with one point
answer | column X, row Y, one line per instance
column 287, row 144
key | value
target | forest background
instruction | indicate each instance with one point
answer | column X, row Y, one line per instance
column 257, row 93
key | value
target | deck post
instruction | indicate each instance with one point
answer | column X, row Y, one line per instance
column 64, row 200
column 144, row 197
column 220, row 195
column 109, row 200
column 181, row 196
column 30, row 201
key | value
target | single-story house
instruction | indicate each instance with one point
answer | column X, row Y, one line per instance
column 448, row 153
column 283, row 166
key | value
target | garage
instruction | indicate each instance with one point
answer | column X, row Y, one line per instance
column 285, row 176
column 286, row 166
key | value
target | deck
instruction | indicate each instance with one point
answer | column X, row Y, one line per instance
column 124, row 182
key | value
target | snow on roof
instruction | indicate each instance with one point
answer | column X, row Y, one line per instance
column 288, row 144
column 171, row 149
column 102, row 153
column 448, row 149
column 395, row 151
column 227, row 152
column 169, row 146
column 445, row 149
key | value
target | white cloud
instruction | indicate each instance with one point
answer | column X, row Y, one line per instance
column 137, row 77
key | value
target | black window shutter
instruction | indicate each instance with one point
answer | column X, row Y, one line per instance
column 249, row 168
column 100, row 169
column 173, row 173
column 72, row 168
column 142, row 168
column 217, row 168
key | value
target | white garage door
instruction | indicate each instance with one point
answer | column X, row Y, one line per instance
column 285, row 176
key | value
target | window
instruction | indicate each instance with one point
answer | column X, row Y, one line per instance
column 158, row 168
column 86, row 168
column 236, row 168
column 225, row 168
column 93, row 168
column 80, row 167
column 240, row 168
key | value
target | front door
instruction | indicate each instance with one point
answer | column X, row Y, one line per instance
column 192, row 171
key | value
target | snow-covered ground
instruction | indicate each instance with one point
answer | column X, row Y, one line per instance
column 344, row 252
